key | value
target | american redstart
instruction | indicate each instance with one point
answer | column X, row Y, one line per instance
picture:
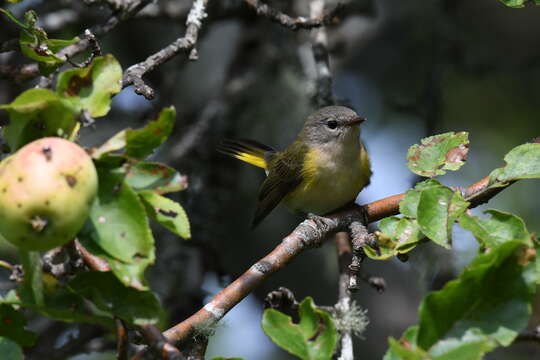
column 324, row 169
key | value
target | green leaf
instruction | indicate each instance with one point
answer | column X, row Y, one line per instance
column 141, row 142
column 117, row 142
column 38, row 113
column 31, row 289
column 92, row 87
column 472, row 346
column 517, row 3
column 438, row 153
column 313, row 338
column 522, row 162
column 438, row 208
column 397, row 236
column 500, row 228
column 118, row 225
column 166, row 212
column 12, row 326
column 156, row 177
column 10, row 349
column 108, row 294
column 493, row 295
column 408, row 206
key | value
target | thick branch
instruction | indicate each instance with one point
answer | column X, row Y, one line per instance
column 133, row 75
column 296, row 23
column 306, row 235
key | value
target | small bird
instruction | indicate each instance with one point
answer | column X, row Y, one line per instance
column 324, row 169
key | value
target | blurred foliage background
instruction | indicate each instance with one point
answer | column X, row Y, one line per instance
column 413, row 68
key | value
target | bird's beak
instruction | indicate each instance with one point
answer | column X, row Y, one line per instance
column 355, row 121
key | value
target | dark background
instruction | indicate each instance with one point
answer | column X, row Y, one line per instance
column 413, row 68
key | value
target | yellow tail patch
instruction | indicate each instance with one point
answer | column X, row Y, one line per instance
column 251, row 159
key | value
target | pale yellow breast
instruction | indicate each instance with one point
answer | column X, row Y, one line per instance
column 332, row 179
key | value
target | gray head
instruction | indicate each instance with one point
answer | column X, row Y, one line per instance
column 331, row 123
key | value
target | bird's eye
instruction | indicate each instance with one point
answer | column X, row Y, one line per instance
column 332, row 124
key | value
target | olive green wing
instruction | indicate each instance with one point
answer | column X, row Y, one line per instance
column 284, row 175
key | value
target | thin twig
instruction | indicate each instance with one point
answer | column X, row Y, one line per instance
column 296, row 23
column 160, row 344
column 133, row 75
column 323, row 82
column 121, row 340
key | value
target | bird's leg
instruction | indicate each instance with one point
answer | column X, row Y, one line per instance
column 360, row 237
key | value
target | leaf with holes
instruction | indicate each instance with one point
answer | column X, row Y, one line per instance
column 92, row 87
column 438, row 153
column 157, row 177
column 313, row 338
column 166, row 212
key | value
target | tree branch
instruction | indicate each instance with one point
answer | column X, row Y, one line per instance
column 133, row 75
column 306, row 235
column 344, row 252
column 296, row 23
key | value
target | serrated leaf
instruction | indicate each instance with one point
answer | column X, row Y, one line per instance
column 438, row 153
column 38, row 113
column 500, row 228
column 92, row 87
column 522, row 162
column 313, row 338
column 10, row 349
column 12, row 326
column 397, row 236
column 166, row 212
column 141, row 142
column 110, row 295
column 156, row 177
column 438, row 208
column 492, row 295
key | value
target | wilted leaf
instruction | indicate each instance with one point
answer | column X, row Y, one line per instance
column 110, row 295
column 493, row 296
column 438, row 153
column 500, row 228
column 166, row 212
column 313, row 338
column 10, row 349
column 12, row 325
column 522, row 162
column 91, row 88
column 157, row 177
column 38, row 113
column 141, row 142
